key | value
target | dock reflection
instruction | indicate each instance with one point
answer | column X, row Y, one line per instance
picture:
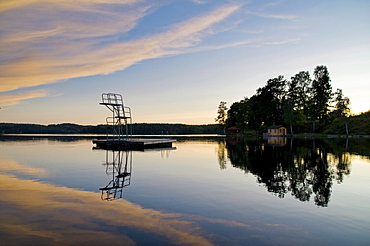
column 118, row 163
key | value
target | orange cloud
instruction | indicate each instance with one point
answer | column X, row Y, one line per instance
column 52, row 214
column 39, row 51
column 74, row 216
column 64, row 216
column 13, row 166
column 9, row 100
column 8, row 5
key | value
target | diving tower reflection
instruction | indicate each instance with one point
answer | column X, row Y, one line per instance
column 118, row 163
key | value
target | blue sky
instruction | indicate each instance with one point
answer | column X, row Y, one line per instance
column 173, row 61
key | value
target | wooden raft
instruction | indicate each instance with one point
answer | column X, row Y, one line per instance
column 133, row 143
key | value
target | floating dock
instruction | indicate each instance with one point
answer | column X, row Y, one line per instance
column 133, row 143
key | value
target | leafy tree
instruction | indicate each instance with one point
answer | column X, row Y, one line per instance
column 289, row 113
column 255, row 114
column 321, row 93
column 270, row 100
column 295, row 105
column 221, row 114
column 299, row 90
column 301, row 103
column 237, row 114
column 342, row 104
column 342, row 110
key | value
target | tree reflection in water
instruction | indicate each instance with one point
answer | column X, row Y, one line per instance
column 305, row 168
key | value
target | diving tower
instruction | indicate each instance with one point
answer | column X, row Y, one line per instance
column 119, row 128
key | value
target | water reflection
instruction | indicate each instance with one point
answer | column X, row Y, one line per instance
column 51, row 215
column 49, row 194
column 118, row 163
column 277, row 141
column 303, row 168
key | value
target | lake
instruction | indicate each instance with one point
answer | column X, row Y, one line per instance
column 216, row 191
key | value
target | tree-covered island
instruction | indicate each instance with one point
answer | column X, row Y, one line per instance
column 302, row 104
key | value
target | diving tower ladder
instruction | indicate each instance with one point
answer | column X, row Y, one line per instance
column 119, row 125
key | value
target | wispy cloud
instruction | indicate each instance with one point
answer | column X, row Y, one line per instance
column 13, row 99
column 8, row 5
column 40, row 45
column 272, row 16
column 200, row 1
column 228, row 45
column 275, row 3
column 283, row 41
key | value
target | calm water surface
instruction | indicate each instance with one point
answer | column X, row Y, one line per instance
column 60, row 191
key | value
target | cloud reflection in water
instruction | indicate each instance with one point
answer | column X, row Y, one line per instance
column 35, row 212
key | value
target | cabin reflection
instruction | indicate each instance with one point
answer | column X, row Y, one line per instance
column 277, row 141
column 118, row 163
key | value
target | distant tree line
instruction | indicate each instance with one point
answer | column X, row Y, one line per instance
column 302, row 104
column 138, row 128
column 176, row 129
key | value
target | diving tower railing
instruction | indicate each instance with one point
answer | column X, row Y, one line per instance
column 119, row 126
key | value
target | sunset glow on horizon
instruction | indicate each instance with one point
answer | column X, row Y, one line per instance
column 173, row 61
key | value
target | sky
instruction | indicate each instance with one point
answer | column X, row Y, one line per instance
column 173, row 61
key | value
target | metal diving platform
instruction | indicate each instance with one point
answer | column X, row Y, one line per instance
column 119, row 128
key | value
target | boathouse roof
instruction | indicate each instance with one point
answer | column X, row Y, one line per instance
column 275, row 127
